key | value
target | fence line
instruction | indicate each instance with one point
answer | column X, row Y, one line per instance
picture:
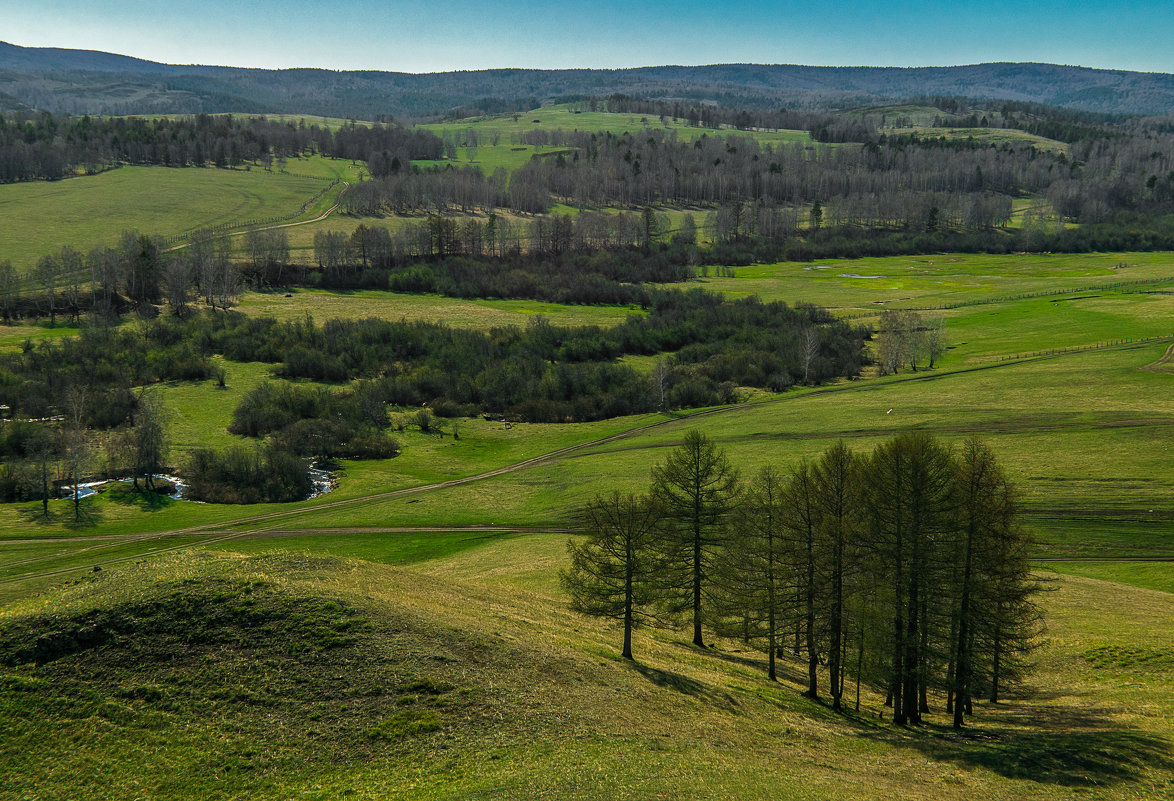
column 1083, row 348
column 175, row 239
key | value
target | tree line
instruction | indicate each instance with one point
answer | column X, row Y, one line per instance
column 707, row 347
column 50, row 146
column 904, row 567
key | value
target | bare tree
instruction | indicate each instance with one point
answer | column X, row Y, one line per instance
column 48, row 273
column 935, row 338
column 149, row 439
column 75, row 445
column 809, row 350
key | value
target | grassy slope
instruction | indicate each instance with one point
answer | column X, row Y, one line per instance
column 1097, row 408
column 547, row 709
column 564, row 117
column 476, row 682
column 84, row 212
column 324, row 305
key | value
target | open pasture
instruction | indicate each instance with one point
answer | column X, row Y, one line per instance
column 1084, row 434
column 520, row 697
column 872, row 284
column 566, row 117
column 43, row 216
column 481, row 314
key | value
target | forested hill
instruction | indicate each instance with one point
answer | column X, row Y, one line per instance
column 84, row 81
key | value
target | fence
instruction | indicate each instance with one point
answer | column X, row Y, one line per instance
column 216, row 230
column 1112, row 343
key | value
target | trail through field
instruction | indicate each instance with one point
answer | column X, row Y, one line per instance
column 255, row 525
column 324, row 215
column 1159, row 365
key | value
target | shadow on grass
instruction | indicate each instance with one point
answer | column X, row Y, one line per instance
column 1063, row 745
column 88, row 515
column 1086, row 758
column 38, row 516
column 145, row 501
column 685, row 685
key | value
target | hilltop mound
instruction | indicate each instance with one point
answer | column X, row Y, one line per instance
column 285, row 676
column 229, row 674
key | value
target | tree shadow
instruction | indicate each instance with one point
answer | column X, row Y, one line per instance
column 1062, row 745
column 1088, row 758
column 36, row 515
column 686, row 686
column 144, row 500
column 88, row 516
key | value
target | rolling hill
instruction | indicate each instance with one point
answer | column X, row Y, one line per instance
column 83, row 81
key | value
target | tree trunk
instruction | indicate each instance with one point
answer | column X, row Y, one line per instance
column 697, row 638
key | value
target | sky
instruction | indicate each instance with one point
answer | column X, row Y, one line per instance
column 441, row 35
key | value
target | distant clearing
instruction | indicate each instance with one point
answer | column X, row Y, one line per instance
column 325, row 305
column 40, row 217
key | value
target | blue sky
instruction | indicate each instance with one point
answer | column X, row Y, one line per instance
column 434, row 35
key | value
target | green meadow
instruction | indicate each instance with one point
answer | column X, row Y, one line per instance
column 481, row 314
column 405, row 636
column 84, row 212
column 566, row 117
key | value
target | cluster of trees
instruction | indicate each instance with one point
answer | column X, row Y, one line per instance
column 905, row 339
column 501, row 237
column 39, row 456
column 604, row 277
column 708, row 347
column 317, row 422
column 882, row 185
column 48, row 146
column 546, row 373
column 136, row 273
column 267, row 474
column 904, row 567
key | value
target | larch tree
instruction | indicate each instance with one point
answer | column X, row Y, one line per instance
column 611, row 570
column 696, row 488
column 802, row 524
column 836, row 478
column 908, row 486
column 754, row 572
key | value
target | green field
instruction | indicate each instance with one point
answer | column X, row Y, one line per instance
column 436, row 570
column 510, row 152
column 454, row 670
column 565, row 117
column 40, row 217
column 481, row 314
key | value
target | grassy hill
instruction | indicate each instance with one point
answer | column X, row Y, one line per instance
column 461, row 674
column 89, row 82
column 83, row 212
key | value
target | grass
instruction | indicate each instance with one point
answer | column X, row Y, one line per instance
column 85, row 212
column 324, row 305
column 565, row 117
column 463, row 675
column 982, row 136
column 870, row 285
column 1157, row 576
column 1102, row 413
column 510, row 153
column 319, row 653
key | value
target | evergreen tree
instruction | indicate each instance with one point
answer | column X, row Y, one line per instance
column 696, row 488
column 611, row 570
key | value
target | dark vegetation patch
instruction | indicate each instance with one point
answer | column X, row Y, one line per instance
column 224, row 682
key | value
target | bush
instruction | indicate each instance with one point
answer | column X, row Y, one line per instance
column 238, row 475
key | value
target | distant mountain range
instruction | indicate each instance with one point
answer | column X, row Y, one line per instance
column 85, row 81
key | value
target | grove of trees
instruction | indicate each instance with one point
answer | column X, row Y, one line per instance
column 903, row 567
